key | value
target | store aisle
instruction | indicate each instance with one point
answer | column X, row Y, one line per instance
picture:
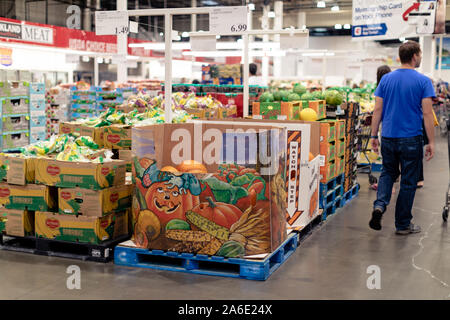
column 331, row 264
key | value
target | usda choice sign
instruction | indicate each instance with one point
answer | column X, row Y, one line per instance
column 393, row 19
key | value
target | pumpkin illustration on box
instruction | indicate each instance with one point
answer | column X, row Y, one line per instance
column 225, row 213
column 229, row 203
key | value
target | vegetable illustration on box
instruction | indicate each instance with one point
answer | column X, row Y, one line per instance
column 232, row 211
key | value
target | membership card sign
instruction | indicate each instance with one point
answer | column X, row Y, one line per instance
column 393, row 19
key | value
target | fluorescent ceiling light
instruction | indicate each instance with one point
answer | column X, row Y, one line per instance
column 85, row 58
column 251, row 6
column 99, row 60
column 321, row 4
column 185, row 34
column 338, row 26
column 161, row 34
column 234, row 53
column 320, row 29
column 177, row 38
column 335, row 8
column 271, row 14
column 347, row 26
column 329, row 54
column 210, row 3
column 402, row 39
column 132, row 57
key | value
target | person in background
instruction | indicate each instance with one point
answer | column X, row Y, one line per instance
column 381, row 71
column 253, row 79
column 195, row 81
column 403, row 98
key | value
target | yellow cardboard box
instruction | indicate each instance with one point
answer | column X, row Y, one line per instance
column 117, row 137
column 18, row 223
column 80, row 174
column 94, row 203
column 81, row 228
column 30, row 196
column 95, row 133
column 18, row 170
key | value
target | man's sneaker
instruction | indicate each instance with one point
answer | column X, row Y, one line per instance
column 375, row 222
column 412, row 229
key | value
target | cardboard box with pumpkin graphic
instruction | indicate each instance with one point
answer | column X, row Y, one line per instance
column 31, row 197
column 84, row 229
column 19, row 223
column 214, row 189
column 117, row 137
column 302, row 168
column 89, row 175
column 94, row 203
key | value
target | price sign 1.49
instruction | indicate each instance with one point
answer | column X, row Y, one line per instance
column 111, row 22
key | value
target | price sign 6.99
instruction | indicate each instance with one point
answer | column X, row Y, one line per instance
column 228, row 20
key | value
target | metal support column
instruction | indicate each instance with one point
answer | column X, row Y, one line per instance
column 122, row 44
column 168, row 68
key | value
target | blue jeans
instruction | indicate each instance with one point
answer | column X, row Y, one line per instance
column 406, row 154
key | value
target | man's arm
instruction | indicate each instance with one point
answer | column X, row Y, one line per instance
column 376, row 119
column 428, row 119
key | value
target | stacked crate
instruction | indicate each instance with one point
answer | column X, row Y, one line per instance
column 38, row 120
column 15, row 113
column 83, row 103
column 106, row 99
column 351, row 124
column 57, row 109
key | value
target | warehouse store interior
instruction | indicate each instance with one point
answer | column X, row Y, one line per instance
column 224, row 149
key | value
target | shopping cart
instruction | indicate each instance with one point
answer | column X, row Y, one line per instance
column 363, row 134
column 447, row 198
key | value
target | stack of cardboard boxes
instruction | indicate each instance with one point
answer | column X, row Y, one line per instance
column 351, row 119
column 82, row 202
column 332, row 149
column 287, row 110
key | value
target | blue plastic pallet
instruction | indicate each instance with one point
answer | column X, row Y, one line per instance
column 326, row 198
column 376, row 167
column 207, row 265
column 329, row 210
column 350, row 194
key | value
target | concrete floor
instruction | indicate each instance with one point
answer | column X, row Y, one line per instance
column 331, row 264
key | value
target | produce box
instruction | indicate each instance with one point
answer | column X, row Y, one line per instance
column 96, row 133
column 230, row 112
column 18, row 170
column 94, row 203
column 15, row 140
column 14, row 88
column 126, row 156
column 340, row 148
column 328, row 131
column 340, row 129
column 15, row 106
column 16, row 123
column 328, row 150
column 320, row 107
column 87, row 175
column 237, row 209
column 339, row 165
column 302, row 164
column 117, row 137
column 19, row 223
column 273, row 110
column 84, row 229
column 327, row 172
column 31, row 197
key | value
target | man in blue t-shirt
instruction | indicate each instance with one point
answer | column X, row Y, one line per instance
column 402, row 100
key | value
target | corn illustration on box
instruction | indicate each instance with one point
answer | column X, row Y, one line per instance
column 117, row 137
column 30, row 196
column 70, row 228
column 18, row 223
column 80, row 174
column 94, row 203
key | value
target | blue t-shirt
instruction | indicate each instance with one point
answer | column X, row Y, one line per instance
column 402, row 91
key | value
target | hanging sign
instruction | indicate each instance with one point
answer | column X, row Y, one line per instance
column 111, row 23
column 228, row 20
column 393, row 19
column 5, row 57
column 294, row 41
column 203, row 43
